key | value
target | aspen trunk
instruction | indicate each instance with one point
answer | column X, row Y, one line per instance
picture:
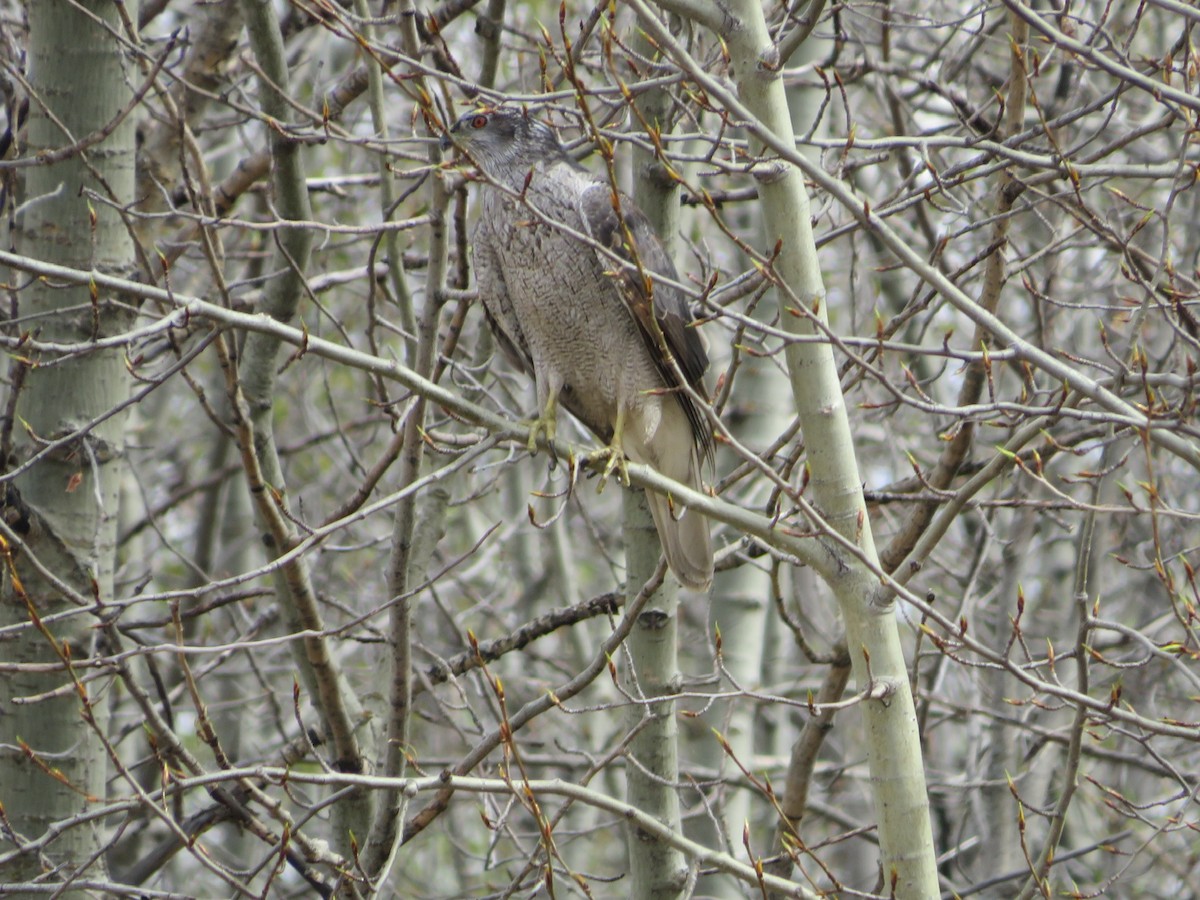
column 63, row 507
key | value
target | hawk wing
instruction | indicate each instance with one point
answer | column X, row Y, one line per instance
column 660, row 310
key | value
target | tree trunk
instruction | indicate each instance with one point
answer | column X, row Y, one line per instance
column 652, row 665
column 657, row 871
column 892, row 740
column 63, row 507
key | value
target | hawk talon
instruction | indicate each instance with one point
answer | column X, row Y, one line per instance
column 615, row 454
column 616, row 462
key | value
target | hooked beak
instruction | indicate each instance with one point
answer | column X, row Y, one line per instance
column 446, row 142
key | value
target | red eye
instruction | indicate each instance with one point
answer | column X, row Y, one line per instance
column 479, row 121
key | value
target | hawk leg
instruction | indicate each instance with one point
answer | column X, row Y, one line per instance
column 614, row 454
column 546, row 424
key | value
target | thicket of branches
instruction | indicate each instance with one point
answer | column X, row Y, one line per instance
column 1003, row 197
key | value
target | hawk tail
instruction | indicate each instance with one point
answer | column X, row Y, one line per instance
column 686, row 541
column 672, row 449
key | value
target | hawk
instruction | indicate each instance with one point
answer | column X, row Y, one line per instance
column 564, row 265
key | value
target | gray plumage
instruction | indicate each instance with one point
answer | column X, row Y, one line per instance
column 596, row 336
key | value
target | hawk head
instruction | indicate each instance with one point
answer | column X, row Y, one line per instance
column 504, row 141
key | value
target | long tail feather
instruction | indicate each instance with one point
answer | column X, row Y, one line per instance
column 669, row 445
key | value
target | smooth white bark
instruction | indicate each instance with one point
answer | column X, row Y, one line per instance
column 892, row 739
column 65, row 506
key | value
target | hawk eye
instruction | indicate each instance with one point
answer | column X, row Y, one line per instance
column 479, row 121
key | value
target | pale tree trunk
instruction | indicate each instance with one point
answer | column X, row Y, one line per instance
column 652, row 664
column 892, row 740
column 64, row 507
column 806, row 103
column 742, row 598
column 739, row 612
column 651, row 673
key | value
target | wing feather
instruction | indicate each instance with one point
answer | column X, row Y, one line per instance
column 661, row 311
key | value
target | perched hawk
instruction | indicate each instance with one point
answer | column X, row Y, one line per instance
column 595, row 330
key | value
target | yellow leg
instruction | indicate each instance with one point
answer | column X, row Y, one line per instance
column 613, row 455
column 546, row 423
